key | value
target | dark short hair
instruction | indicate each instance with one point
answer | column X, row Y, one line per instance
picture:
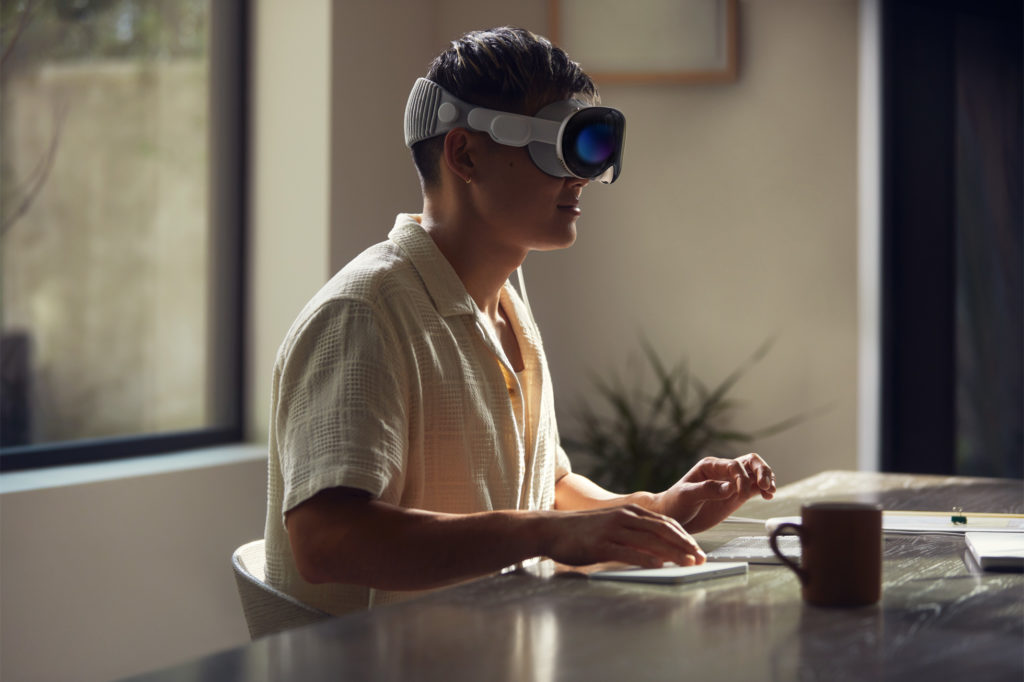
column 508, row 69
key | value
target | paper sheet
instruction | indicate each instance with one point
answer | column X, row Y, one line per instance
column 898, row 522
column 995, row 551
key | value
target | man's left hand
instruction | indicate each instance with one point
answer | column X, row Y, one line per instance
column 715, row 488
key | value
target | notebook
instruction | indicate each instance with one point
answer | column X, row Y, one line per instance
column 755, row 549
column 996, row 551
column 672, row 574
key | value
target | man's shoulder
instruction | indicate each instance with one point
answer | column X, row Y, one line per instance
column 375, row 281
column 369, row 274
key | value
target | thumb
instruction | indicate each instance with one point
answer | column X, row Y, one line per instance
column 712, row 490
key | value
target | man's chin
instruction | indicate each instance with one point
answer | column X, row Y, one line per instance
column 562, row 241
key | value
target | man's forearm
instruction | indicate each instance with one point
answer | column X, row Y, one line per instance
column 574, row 492
column 392, row 548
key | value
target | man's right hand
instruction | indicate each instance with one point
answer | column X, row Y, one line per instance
column 630, row 534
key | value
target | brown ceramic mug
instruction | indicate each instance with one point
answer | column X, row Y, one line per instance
column 841, row 552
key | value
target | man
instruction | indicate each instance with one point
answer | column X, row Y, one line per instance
column 413, row 439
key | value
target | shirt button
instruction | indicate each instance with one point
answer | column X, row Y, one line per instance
column 511, row 391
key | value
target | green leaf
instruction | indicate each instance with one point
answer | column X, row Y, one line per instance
column 654, row 436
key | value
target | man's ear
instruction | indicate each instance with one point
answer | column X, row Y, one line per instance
column 460, row 147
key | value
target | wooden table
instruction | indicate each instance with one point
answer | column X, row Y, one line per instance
column 938, row 619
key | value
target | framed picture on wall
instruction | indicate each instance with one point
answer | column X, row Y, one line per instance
column 682, row 41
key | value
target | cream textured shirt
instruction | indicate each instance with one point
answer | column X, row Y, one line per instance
column 391, row 381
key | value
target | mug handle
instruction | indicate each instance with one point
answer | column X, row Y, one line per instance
column 773, row 541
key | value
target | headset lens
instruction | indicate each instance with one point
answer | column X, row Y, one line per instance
column 592, row 141
column 595, row 143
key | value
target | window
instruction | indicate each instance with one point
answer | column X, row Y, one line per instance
column 122, row 136
column 953, row 377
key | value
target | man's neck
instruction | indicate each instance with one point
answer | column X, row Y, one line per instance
column 482, row 264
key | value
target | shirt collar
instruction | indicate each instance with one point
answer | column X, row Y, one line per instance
column 442, row 283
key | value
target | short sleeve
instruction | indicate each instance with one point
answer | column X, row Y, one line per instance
column 341, row 411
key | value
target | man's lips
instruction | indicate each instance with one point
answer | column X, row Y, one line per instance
column 572, row 206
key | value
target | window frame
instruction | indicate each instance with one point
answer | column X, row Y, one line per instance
column 227, row 135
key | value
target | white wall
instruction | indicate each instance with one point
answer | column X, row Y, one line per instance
column 289, row 194
column 103, row 579
column 375, row 59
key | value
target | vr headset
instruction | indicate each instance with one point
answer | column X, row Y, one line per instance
column 565, row 139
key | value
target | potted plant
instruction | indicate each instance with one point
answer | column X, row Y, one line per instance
column 647, row 439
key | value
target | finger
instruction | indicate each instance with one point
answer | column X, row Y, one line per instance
column 640, row 557
column 707, row 468
column 761, row 471
column 686, row 554
column 629, row 555
column 661, row 535
column 735, row 470
column 716, row 467
column 708, row 490
column 661, row 550
column 738, row 471
column 642, row 519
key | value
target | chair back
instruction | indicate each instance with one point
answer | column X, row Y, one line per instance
column 267, row 610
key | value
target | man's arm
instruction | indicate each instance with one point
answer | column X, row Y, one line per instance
column 344, row 535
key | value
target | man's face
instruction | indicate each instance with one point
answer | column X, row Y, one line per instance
column 524, row 206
